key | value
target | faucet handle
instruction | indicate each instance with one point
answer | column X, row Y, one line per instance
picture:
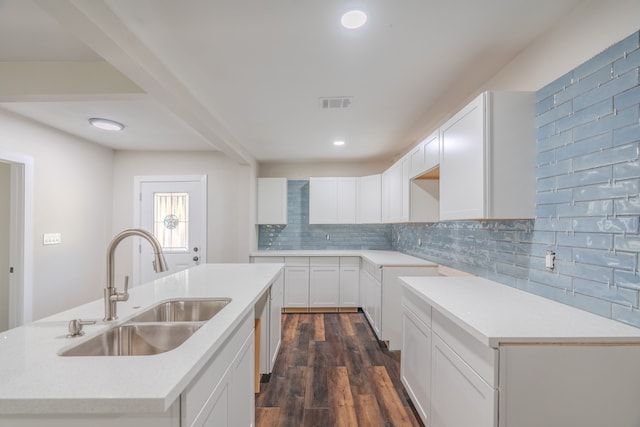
column 75, row 327
column 122, row 296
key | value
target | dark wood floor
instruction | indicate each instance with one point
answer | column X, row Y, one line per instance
column 331, row 371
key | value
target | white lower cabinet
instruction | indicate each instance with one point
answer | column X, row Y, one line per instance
column 324, row 282
column 275, row 319
column 223, row 392
column 459, row 396
column 349, row 282
column 371, row 295
column 415, row 363
column 296, row 282
column 456, row 378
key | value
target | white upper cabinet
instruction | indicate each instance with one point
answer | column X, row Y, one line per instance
column 272, row 200
column 332, row 200
column 369, row 199
column 425, row 156
column 395, row 192
column 487, row 164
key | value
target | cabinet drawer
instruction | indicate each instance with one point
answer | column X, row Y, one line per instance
column 267, row 259
column 349, row 261
column 324, row 261
column 296, row 261
column 416, row 305
column 480, row 358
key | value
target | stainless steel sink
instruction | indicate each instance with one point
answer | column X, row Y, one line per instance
column 156, row 330
column 183, row 310
column 135, row 340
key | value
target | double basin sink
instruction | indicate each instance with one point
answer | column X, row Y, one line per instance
column 156, row 330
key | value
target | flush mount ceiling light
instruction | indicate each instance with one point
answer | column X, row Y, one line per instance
column 353, row 19
column 338, row 143
column 106, row 124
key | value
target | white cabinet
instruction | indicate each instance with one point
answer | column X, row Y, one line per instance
column 487, row 167
column 349, row 282
column 296, row 283
column 369, row 199
column 332, row 200
column 415, row 357
column 395, row 192
column 222, row 394
column 459, row 396
column 500, row 357
column 269, row 309
column 272, row 201
column 391, row 301
column 324, row 282
column 275, row 318
column 371, row 295
column 425, row 156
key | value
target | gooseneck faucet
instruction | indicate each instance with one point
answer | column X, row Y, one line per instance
column 111, row 294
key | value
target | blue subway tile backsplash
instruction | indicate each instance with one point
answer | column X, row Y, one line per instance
column 587, row 197
column 299, row 234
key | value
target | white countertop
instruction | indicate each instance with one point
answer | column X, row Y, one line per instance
column 380, row 258
column 497, row 314
column 34, row 379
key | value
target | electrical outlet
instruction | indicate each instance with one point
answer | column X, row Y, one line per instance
column 550, row 260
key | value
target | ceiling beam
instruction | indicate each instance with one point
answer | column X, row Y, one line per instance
column 99, row 28
column 62, row 81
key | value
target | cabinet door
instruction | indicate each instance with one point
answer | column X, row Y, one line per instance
column 241, row 388
column 349, row 282
column 346, row 200
column 416, row 160
column 376, row 304
column 275, row 319
column 296, row 286
column 415, row 363
column 369, row 199
column 462, row 174
column 455, row 385
column 272, row 200
column 395, row 192
column 323, row 200
column 432, row 151
column 324, row 286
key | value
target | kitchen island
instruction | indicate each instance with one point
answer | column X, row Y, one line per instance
column 176, row 388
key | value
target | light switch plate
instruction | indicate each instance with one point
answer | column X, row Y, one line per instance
column 51, row 238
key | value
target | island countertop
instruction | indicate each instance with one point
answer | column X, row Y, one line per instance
column 34, row 379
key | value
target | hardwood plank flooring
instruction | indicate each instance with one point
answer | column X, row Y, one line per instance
column 332, row 371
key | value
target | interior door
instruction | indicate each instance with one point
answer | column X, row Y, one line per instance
column 175, row 212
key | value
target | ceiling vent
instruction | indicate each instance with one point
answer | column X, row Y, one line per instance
column 335, row 102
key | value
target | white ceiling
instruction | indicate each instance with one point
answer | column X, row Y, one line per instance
column 245, row 76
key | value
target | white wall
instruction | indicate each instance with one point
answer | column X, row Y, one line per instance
column 5, row 190
column 72, row 196
column 228, row 212
column 586, row 31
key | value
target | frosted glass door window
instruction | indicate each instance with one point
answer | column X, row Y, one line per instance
column 171, row 220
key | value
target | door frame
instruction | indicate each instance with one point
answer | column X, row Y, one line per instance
column 137, row 199
column 20, row 237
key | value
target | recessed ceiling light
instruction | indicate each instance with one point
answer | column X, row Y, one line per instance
column 106, row 124
column 353, row 19
column 338, row 143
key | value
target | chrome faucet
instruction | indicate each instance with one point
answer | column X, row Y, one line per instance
column 111, row 294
